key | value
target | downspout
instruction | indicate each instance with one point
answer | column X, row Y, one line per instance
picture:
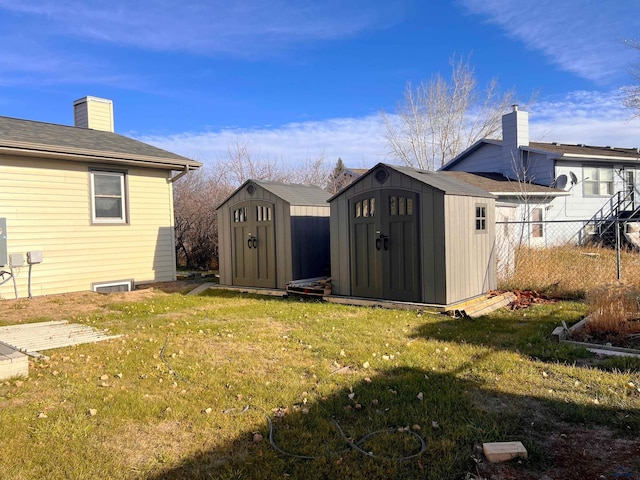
column 181, row 174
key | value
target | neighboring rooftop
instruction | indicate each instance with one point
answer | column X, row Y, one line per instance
column 585, row 150
column 497, row 183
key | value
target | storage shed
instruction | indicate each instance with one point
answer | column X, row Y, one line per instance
column 399, row 233
column 270, row 233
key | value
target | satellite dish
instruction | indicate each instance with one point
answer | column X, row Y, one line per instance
column 574, row 179
column 561, row 182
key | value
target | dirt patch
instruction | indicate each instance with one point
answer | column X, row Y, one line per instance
column 69, row 305
column 571, row 453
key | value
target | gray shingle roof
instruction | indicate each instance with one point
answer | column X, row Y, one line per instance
column 83, row 143
column 498, row 183
column 589, row 150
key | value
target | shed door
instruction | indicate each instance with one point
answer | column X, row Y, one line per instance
column 253, row 244
column 385, row 252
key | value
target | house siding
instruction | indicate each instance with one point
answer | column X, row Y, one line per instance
column 488, row 158
column 48, row 207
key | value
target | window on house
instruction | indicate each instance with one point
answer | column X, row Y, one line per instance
column 598, row 181
column 108, row 197
column 481, row 218
column 537, row 230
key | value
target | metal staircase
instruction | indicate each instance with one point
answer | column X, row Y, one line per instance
column 601, row 228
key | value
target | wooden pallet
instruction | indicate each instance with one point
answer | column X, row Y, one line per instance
column 315, row 287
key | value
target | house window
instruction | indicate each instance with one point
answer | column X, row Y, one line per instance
column 108, row 197
column 481, row 218
column 537, row 230
column 598, row 181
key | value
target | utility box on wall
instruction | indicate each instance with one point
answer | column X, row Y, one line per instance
column 3, row 241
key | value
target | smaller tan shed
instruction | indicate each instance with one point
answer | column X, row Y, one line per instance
column 271, row 233
column 399, row 233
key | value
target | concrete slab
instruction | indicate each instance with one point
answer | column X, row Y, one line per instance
column 12, row 363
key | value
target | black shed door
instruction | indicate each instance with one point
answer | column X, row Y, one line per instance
column 385, row 248
column 253, row 244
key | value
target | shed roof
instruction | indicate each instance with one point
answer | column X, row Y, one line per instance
column 30, row 138
column 292, row 193
column 448, row 184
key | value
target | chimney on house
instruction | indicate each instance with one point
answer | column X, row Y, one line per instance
column 515, row 134
column 93, row 112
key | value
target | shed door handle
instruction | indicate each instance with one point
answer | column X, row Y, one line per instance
column 378, row 242
column 385, row 242
column 254, row 242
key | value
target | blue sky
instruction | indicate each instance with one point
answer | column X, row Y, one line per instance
column 304, row 79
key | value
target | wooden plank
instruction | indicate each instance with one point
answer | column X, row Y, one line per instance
column 497, row 452
column 255, row 290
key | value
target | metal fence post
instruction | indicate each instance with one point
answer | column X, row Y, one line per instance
column 618, row 265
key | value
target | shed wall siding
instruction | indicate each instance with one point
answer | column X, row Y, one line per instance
column 470, row 257
column 339, row 246
column 47, row 206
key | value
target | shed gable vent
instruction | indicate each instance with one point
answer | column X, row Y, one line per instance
column 381, row 175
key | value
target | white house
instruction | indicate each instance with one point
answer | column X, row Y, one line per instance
column 581, row 188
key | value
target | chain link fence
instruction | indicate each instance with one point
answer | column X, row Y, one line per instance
column 543, row 254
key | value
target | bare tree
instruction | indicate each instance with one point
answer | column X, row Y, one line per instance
column 196, row 197
column 439, row 119
column 632, row 93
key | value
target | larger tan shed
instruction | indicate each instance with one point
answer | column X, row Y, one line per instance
column 270, row 233
column 399, row 233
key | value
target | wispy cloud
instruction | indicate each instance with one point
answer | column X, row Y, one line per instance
column 592, row 118
column 241, row 27
column 584, row 37
column 588, row 117
column 358, row 141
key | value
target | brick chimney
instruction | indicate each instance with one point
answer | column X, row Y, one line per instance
column 515, row 134
column 93, row 112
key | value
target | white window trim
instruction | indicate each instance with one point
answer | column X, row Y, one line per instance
column 598, row 182
column 123, row 188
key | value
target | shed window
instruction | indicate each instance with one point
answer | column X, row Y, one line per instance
column 400, row 206
column 366, row 208
column 108, row 197
column 598, row 181
column 240, row 215
column 481, row 218
column 263, row 214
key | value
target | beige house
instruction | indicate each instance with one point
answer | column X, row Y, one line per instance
column 83, row 208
